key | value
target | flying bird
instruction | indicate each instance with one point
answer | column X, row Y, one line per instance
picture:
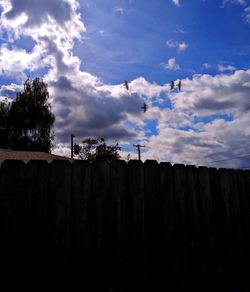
column 171, row 85
column 125, row 84
column 144, row 107
column 179, row 85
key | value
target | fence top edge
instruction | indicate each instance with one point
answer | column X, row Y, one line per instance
column 8, row 162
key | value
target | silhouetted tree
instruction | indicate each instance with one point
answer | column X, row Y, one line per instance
column 4, row 126
column 28, row 119
column 97, row 149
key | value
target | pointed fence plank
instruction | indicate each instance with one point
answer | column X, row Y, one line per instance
column 180, row 217
column 134, row 212
column 35, row 217
column 59, row 213
column 167, row 242
column 206, row 218
column 12, row 212
column 118, row 191
column 80, row 220
column 193, row 222
column 100, row 209
column 152, row 214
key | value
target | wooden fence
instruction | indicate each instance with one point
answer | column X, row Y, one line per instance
column 119, row 226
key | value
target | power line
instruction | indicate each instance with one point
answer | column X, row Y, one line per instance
column 236, row 157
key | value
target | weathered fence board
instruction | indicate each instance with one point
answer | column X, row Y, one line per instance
column 35, row 211
column 80, row 212
column 59, row 211
column 12, row 214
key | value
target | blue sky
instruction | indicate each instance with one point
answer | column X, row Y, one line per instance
column 85, row 50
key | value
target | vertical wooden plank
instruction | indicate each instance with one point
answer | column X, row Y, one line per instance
column 80, row 231
column 59, row 213
column 152, row 217
column 101, row 201
column 244, row 218
column 118, row 188
column 247, row 185
column 11, row 216
column 228, row 233
column 218, row 224
column 193, row 223
column 168, row 244
column 235, row 221
column 180, row 216
column 134, row 208
column 35, row 217
column 246, row 181
column 206, row 213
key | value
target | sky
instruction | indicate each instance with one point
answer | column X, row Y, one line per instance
column 84, row 50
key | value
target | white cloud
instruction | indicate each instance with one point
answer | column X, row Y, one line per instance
column 228, row 2
column 176, row 2
column 182, row 46
column 86, row 106
column 175, row 44
column 9, row 91
column 119, row 10
column 172, row 65
column 185, row 137
column 247, row 14
column 246, row 11
column 206, row 94
column 223, row 68
column 206, row 65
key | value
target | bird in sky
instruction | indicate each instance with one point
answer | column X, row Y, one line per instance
column 171, row 85
column 144, row 107
column 179, row 85
column 125, row 84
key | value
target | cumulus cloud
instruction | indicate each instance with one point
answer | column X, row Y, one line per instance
column 206, row 65
column 209, row 121
column 176, row 2
column 180, row 46
column 197, row 128
column 172, row 65
column 119, row 10
column 223, row 68
column 9, row 91
column 243, row 3
column 247, row 14
column 206, row 94
column 228, row 2
column 81, row 102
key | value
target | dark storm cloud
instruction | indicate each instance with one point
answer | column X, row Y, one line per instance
column 94, row 115
column 211, row 104
column 63, row 83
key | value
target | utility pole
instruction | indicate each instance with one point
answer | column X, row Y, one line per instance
column 139, row 150
column 72, row 145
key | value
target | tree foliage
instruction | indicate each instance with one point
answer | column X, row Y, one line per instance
column 28, row 120
column 97, row 149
